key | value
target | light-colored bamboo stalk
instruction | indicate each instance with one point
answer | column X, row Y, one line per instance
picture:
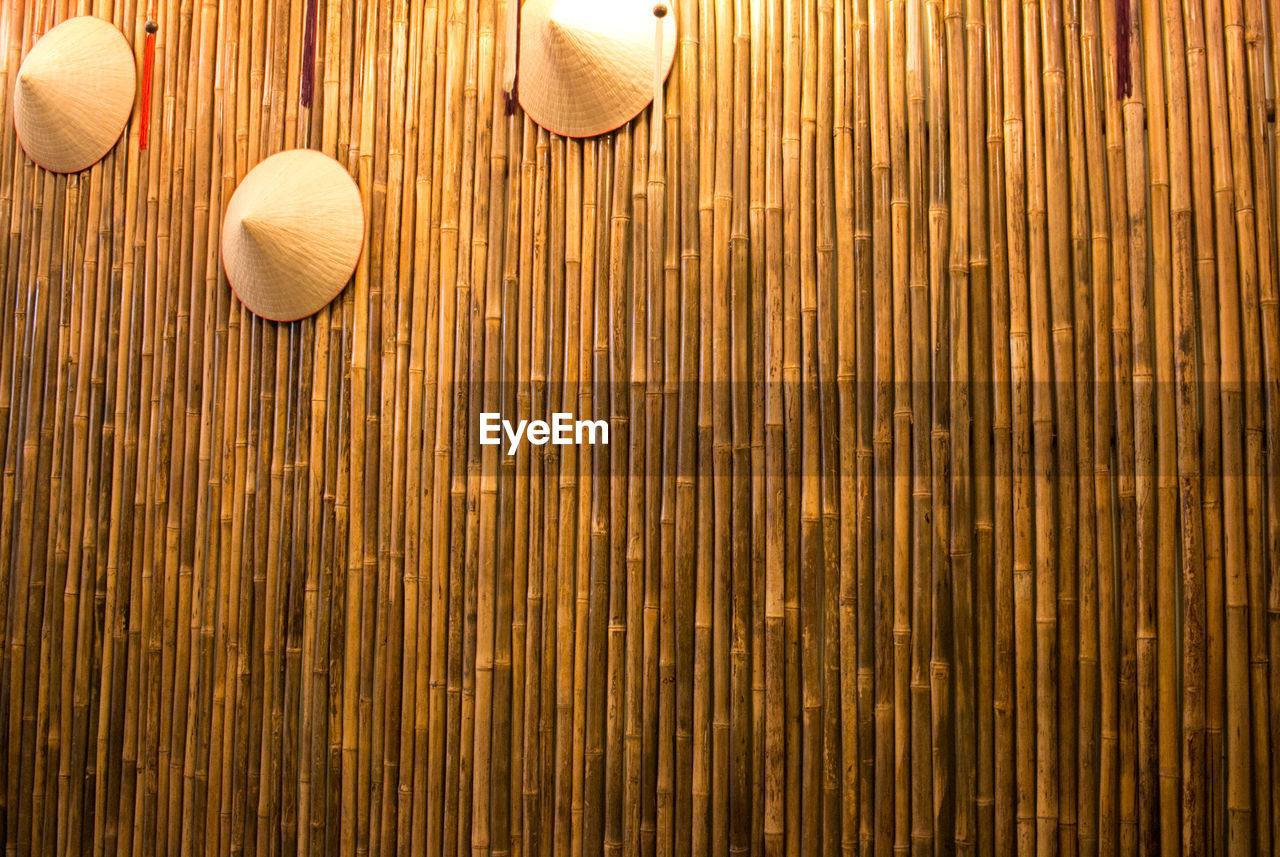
column 960, row 538
column 877, row 331
column 1078, row 798
column 903, row 344
column 1099, row 664
column 1188, row 466
column 1002, row 691
column 1023, row 505
column 1264, row 172
column 845, row 627
column 1159, row 593
column 1253, row 266
column 863, row 586
column 981, row 368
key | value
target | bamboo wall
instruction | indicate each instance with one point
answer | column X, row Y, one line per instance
column 941, row 512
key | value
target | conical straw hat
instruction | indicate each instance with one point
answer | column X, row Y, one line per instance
column 587, row 66
column 74, row 94
column 292, row 234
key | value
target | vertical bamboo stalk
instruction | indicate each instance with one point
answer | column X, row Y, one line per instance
column 597, row 627
column 1023, row 486
column 1079, row 800
column 687, row 752
column 1099, row 673
column 900, row 213
column 1164, row 465
column 1002, row 485
column 1213, row 488
column 1262, row 385
column 658, row 696
column 981, row 367
column 863, row 587
column 846, row 208
column 490, row 721
column 810, row 556
column 942, row 651
column 1251, row 213
column 960, row 537
column 922, row 801
column 879, row 344
column 792, row 39
column 738, row 807
column 1143, row 219
column 1187, row 452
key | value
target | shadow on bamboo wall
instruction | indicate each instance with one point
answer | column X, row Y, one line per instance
column 941, row 509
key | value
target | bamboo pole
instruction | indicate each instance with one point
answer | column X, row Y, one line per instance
column 685, row 200
column 620, row 431
column 792, row 38
column 1158, row 461
column 1254, row 266
column 940, row 314
column 676, row 624
column 1263, row 176
column 1188, row 465
column 1099, row 762
column 491, row 596
column 1022, row 471
column 844, row 628
column 740, row 766
column 878, row 337
column 1133, row 409
column 1215, row 450
column 582, row 397
column 520, row 632
column 899, row 144
column 1081, row 762
column 922, row 405
column 960, row 537
column 981, row 367
column 655, row 746
column 408, row 454
column 863, row 586
column 1058, row 210
column 810, row 500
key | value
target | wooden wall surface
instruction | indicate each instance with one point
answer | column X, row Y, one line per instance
column 941, row 512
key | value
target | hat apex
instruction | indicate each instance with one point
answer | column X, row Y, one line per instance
column 587, row 66
column 292, row 234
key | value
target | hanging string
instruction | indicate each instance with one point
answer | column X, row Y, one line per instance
column 509, row 61
column 1124, row 74
column 309, row 55
column 148, row 66
column 658, row 124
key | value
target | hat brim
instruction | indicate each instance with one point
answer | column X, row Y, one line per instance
column 74, row 94
column 292, row 234
column 587, row 67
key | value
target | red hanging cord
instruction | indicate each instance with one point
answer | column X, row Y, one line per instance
column 148, row 64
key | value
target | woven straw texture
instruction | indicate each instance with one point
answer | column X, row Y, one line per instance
column 74, row 94
column 586, row 67
column 292, row 234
